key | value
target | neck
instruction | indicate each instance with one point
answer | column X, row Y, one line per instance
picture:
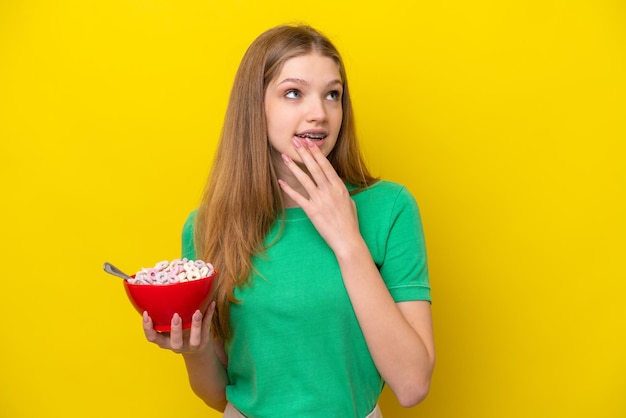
column 283, row 173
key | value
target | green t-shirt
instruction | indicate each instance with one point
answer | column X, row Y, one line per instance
column 297, row 349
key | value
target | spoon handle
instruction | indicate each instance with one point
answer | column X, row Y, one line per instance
column 111, row 269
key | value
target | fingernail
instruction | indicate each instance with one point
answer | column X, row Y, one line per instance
column 281, row 183
column 197, row 316
column 296, row 142
column 176, row 320
column 286, row 158
column 146, row 318
column 309, row 142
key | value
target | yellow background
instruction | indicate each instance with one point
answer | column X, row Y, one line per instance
column 504, row 118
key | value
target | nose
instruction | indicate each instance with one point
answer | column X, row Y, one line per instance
column 316, row 110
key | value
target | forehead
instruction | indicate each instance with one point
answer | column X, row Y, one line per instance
column 310, row 68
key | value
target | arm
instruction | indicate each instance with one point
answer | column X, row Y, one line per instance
column 204, row 357
column 399, row 335
column 207, row 377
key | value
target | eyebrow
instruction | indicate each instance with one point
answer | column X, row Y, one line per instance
column 304, row 82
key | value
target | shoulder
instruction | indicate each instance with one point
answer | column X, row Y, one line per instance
column 189, row 223
column 385, row 194
column 188, row 247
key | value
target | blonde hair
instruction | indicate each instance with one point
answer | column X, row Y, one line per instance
column 242, row 199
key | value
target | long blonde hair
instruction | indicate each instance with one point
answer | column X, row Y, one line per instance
column 242, row 199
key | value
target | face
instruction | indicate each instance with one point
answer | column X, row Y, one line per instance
column 304, row 101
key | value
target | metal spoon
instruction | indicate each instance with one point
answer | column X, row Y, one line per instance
column 111, row 269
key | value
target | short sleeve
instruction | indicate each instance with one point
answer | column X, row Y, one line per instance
column 189, row 250
column 405, row 267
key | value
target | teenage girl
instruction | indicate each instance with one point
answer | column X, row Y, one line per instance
column 323, row 293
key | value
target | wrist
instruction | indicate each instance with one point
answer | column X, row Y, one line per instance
column 198, row 354
column 352, row 249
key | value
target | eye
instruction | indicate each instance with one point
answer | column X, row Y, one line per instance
column 292, row 94
column 334, row 95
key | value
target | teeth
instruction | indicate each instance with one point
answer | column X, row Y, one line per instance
column 311, row 136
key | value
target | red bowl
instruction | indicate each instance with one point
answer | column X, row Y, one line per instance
column 164, row 300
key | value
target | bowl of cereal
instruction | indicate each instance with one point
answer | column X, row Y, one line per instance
column 181, row 286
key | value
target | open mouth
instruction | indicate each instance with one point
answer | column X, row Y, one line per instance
column 312, row 136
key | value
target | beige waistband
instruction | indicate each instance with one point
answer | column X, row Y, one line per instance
column 232, row 412
column 375, row 413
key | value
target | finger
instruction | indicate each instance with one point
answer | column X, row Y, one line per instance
column 151, row 334
column 327, row 168
column 304, row 150
column 206, row 322
column 176, row 333
column 297, row 197
column 195, row 334
column 303, row 178
column 208, row 318
column 307, row 160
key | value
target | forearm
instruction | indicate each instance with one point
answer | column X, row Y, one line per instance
column 207, row 377
column 404, row 358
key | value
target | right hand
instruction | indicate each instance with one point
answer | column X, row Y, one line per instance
column 194, row 340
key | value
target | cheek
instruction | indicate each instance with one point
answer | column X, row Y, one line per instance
column 338, row 112
column 273, row 125
column 338, row 120
column 276, row 118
